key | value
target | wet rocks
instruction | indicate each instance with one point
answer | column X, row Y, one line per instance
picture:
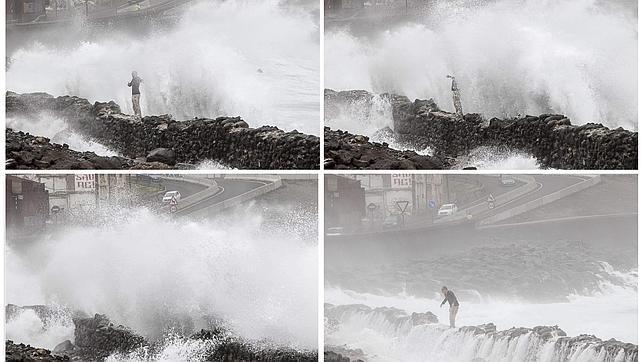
column 232, row 348
column 344, row 355
column 25, row 151
column 228, row 140
column 97, row 338
column 343, row 150
column 398, row 318
column 64, row 347
column 162, row 155
column 549, row 137
column 26, row 353
column 611, row 348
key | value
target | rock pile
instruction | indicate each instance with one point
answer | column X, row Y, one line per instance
column 550, row 138
column 25, row 151
column 486, row 335
column 343, row 150
column 228, row 140
column 231, row 348
column 24, row 352
column 97, row 338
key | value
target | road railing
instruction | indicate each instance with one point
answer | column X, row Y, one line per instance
column 236, row 200
column 531, row 205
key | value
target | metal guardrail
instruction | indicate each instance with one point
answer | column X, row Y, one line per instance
column 233, row 201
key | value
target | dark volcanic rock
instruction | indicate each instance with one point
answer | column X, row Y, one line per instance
column 228, row 140
column 64, row 347
column 27, row 152
column 550, row 138
column 397, row 318
column 97, row 338
column 26, row 353
column 343, row 356
column 162, row 155
column 343, row 150
column 231, row 348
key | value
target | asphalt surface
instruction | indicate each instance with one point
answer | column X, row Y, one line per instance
column 185, row 188
column 229, row 189
column 546, row 184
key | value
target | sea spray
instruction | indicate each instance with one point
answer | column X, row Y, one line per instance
column 255, row 59
column 58, row 131
column 574, row 57
column 152, row 273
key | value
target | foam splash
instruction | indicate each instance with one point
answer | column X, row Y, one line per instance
column 609, row 313
column 57, row 130
column 207, row 65
column 151, row 273
column 574, row 57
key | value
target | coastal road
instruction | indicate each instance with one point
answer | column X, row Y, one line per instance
column 546, row 184
column 228, row 188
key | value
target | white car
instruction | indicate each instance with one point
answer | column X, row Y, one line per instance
column 506, row 180
column 334, row 231
column 447, row 210
column 169, row 195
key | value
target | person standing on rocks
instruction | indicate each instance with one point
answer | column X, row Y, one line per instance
column 453, row 305
column 136, row 93
column 456, row 94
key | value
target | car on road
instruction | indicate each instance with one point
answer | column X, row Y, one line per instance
column 506, row 180
column 335, row 231
column 169, row 195
column 447, row 210
column 391, row 222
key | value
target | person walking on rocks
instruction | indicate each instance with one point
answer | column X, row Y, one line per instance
column 456, row 95
column 453, row 305
column 136, row 93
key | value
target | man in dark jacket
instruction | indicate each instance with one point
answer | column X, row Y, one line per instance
column 136, row 93
column 453, row 305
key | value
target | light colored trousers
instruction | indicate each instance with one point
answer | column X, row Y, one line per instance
column 456, row 96
column 135, row 104
column 452, row 315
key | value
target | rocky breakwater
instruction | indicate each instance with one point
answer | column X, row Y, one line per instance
column 97, row 338
column 565, row 348
column 19, row 352
column 477, row 343
column 27, row 152
column 551, row 138
column 228, row 140
column 343, row 150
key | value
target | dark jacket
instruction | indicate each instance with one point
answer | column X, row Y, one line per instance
column 136, row 81
column 451, row 298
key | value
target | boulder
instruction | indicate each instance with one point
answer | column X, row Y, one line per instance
column 163, row 155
